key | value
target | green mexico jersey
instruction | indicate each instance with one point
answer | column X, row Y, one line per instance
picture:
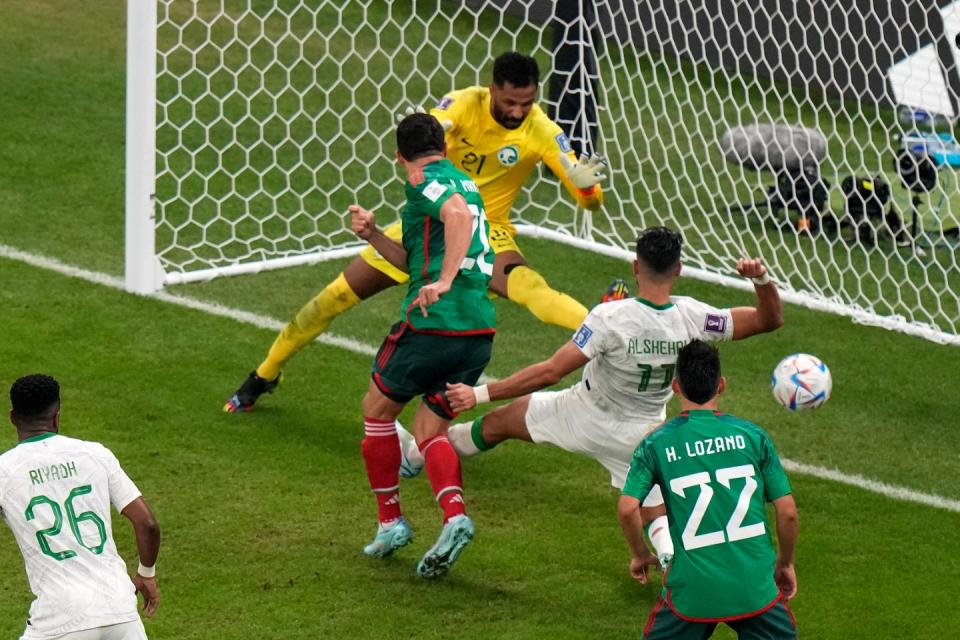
column 716, row 472
column 466, row 307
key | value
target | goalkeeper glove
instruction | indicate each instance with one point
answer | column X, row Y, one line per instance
column 409, row 111
column 585, row 173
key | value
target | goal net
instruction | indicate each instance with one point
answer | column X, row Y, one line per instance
column 756, row 127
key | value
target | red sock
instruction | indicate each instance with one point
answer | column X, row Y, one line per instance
column 381, row 453
column 443, row 470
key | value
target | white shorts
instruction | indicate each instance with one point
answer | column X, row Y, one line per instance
column 132, row 630
column 568, row 419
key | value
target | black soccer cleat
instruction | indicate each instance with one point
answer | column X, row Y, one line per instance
column 618, row 290
column 248, row 393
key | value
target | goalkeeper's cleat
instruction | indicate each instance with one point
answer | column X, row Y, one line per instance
column 408, row 468
column 248, row 393
column 618, row 290
column 456, row 535
column 389, row 539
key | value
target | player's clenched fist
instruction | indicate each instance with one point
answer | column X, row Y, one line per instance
column 751, row 267
column 363, row 222
column 461, row 397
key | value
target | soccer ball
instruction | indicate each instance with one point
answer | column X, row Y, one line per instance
column 801, row 382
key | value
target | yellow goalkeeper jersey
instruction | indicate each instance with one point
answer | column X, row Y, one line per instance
column 499, row 159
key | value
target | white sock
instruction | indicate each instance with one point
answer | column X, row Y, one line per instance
column 659, row 534
column 462, row 440
column 409, row 443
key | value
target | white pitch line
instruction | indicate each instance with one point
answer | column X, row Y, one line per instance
column 272, row 324
column 875, row 486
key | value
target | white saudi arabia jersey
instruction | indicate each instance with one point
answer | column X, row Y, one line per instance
column 632, row 345
column 55, row 494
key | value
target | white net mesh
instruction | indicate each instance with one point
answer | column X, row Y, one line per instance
column 274, row 115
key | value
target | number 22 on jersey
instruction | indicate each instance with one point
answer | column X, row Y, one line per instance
column 734, row 529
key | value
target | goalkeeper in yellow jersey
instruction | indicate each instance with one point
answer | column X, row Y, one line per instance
column 497, row 135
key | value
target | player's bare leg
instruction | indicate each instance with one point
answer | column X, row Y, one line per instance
column 513, row 279
column 507, row 422
column 357, row 282
column 381, row 456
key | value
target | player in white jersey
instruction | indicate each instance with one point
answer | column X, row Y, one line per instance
column 628, row 350
column 55, row 494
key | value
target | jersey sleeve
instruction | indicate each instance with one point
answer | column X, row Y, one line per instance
column 3, row 488
column 452, row 107
column 591, row 337
column 775, row 481
column 431, row 197
column 640, row 477
column 705, row 321
column 122, row 489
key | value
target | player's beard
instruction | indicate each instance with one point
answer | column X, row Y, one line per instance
column 506, row 121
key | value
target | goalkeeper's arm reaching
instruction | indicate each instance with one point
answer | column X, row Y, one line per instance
column 581, row 177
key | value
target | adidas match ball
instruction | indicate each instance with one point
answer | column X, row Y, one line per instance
column 801, row 382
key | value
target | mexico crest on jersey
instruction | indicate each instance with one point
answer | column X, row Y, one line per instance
column 508, row 155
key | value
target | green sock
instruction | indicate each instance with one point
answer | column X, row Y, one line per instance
column 476, row 434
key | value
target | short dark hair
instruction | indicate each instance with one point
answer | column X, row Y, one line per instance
column 515, row 68
column 659, row 249
column 419, row 135
column 698, row 371
column 35, row 396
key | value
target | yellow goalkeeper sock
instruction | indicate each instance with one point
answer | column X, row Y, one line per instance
column 312, row 319
column 527, row 287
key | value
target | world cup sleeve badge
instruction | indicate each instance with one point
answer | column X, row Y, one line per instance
column 582, row 336
column 715, row 323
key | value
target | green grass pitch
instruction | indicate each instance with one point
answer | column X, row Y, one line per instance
column 264, row 515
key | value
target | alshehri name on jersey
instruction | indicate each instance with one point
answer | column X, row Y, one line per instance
column 633, row 345
column 466, row 308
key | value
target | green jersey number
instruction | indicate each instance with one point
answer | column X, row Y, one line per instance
column 480, row 261
column 646, row 372
column 73, row 518
column 734, row 529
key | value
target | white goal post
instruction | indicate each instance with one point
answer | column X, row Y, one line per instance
column 818, row 134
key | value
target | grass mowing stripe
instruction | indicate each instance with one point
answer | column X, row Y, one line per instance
column 266, row 322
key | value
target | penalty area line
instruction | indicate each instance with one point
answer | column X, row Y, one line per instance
column 349, row 344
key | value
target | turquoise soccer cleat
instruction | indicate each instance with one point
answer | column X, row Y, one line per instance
column 389, row 539
column 456, row 535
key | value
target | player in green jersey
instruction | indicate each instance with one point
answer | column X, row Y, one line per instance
column 445, row 335
column 716, row 472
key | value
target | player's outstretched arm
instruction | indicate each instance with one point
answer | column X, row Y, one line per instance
column 446, row 123
column 457, row 233
column 364, row 224
column 767, row 315
column 147, row 532
column 565, row 360
column 628, row 512
column 581, row 177
column 788, row 527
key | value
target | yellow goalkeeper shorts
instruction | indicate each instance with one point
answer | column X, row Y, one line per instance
column 501, row 239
